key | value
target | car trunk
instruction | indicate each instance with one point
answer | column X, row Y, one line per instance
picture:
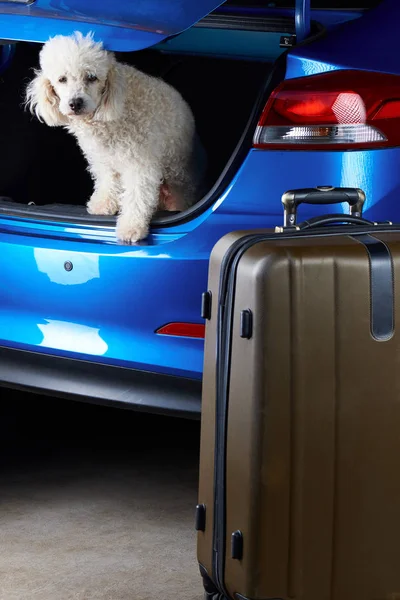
column 43, row 171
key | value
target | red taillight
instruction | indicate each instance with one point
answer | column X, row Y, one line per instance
column 343, row 109
column 190, row 330
column 389, row 110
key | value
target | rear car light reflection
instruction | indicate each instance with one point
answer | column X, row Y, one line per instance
column 189, row 330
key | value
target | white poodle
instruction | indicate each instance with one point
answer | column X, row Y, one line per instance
column 136, row 131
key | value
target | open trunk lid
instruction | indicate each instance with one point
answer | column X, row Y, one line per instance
column 123, row 25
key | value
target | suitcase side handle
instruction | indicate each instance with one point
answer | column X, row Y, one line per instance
column 291, row 199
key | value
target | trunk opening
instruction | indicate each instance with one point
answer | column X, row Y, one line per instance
column 43, row 172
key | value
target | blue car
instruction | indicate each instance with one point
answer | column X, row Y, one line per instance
column 286, row 94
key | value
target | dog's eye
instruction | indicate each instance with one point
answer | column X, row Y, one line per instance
column 62, row 79
column 91, row 78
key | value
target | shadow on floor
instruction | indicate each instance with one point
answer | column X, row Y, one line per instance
column 96, row 503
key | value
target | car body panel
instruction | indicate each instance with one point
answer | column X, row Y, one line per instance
column 127, row 26
column 107, row 308
column 123, row 25
column 367, row 43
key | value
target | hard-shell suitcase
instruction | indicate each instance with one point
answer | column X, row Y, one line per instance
column 299, row 492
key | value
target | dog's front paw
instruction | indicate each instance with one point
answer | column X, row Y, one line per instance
column 130, row 234
column 102, row 205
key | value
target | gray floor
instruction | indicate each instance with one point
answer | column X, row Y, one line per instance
column 97, row 504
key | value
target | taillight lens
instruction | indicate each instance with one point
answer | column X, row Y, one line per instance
column 342, row 109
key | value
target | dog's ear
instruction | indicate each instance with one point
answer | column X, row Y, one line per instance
column 113, row 98
column 42, row 101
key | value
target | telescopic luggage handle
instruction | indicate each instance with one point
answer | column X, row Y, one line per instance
column 291, row 199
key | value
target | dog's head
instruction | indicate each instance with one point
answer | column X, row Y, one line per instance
column 77, row 79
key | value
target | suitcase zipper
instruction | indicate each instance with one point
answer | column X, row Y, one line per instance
column 223, row 351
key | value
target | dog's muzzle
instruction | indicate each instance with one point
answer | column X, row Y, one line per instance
column 76, row 105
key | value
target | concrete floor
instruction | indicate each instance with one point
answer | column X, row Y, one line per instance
column 96, row 503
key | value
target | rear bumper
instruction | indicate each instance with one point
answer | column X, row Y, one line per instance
column 100, row 384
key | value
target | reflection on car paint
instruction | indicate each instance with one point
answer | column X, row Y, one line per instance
column 70, row 336
column 85, row 267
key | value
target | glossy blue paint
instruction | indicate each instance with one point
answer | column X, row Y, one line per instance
column 96, row 310
column 123, row 25
column 266, row 175
column 366, row 43
column 108, row 307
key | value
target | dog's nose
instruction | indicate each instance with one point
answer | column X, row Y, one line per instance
column 76, row 104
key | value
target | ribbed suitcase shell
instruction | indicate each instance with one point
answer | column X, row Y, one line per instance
column 312, row 478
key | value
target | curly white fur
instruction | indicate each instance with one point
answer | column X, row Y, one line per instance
column 135, row 131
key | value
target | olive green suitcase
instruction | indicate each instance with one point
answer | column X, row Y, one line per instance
column 299, row 492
